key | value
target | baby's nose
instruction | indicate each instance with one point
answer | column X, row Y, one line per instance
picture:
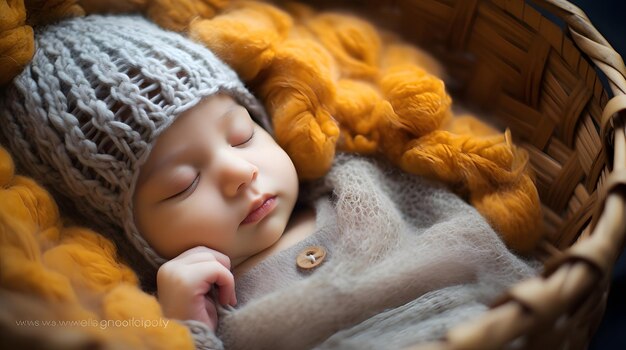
column 237, row 175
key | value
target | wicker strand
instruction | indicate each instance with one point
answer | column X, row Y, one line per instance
column 591, row 42
column 611, row 110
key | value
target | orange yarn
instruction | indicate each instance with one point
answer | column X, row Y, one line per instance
column 246, row 38
column 17, row 44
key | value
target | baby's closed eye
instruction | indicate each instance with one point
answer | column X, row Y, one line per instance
column 188, row 189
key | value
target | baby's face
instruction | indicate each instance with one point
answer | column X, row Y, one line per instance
column 217, row 179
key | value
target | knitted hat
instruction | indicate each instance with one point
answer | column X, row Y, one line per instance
column 84, row 114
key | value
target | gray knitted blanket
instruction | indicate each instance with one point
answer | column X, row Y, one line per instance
column 406, row 260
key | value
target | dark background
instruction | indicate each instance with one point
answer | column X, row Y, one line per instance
column 608, row 16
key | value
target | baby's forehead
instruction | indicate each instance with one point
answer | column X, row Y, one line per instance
column 194, row 131
column 212, row 111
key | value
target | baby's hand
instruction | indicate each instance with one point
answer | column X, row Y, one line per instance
column 183, row 284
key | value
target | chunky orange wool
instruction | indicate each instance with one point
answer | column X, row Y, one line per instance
column 329, row 81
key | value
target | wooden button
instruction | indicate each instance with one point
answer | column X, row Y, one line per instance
column 311, row 257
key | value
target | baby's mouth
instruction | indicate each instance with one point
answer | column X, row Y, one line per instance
column 260, row 208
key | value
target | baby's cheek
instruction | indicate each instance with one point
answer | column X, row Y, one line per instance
column 159, row 231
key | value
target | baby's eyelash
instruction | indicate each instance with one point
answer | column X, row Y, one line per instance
column 246, row 141
column 187, row 189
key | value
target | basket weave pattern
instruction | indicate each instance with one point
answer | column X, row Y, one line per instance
column 537, row 76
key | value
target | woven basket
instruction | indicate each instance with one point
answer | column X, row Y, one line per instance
column 534, row 67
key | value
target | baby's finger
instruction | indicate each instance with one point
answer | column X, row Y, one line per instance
column 201, row 254
column 226, row 284
column 213, row 273
column 211, row 311
column 191, row 251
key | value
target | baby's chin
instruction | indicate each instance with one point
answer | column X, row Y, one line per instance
column 271, row 236
column 265, row 236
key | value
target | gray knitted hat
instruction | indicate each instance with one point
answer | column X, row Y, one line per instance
column 83, row 115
